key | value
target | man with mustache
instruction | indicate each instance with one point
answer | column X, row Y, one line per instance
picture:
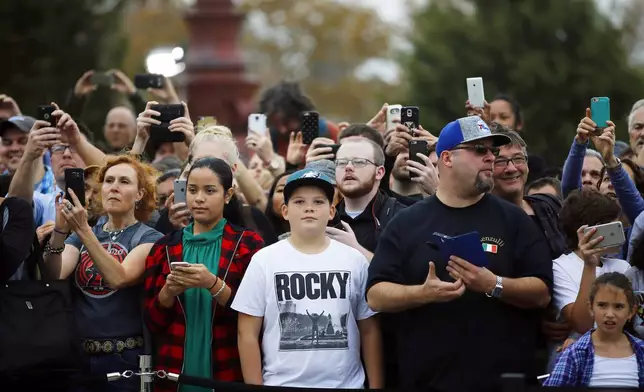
column 453, row 314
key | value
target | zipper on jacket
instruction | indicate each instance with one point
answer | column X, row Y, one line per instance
column 214, row 308
column 185, row 319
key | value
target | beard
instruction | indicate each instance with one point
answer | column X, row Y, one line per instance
column 362, row 189
column 483, row 185
column 400, row 174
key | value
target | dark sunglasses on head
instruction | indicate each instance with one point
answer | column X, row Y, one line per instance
column 479, row 149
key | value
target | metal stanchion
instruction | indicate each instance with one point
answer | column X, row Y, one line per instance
column 145, row 374
column 513, row 382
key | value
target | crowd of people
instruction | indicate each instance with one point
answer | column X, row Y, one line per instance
column 324, row 264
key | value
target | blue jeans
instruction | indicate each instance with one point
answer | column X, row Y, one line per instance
column 113, row 363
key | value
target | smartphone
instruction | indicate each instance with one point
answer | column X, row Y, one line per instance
column 146, row 81
column 45, row 114
column 613, row 234
column 466, row 246
column 176, row 264
column 334, row 148
column 257, row 123
column 415, row 147
column 310, row 126
column 102, row 79
column 393, row 116
column 75, row 180
column 180, row 191
column 600, row 113
column 410, row 117
column 161, row 133
column 475, row 92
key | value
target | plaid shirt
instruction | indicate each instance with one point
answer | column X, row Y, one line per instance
column 574, row 366
column 168, row 326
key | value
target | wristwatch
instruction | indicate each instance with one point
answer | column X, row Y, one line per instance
column 498, row 289
column 618, row 164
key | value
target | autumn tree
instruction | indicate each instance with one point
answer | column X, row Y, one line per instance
column 552, row 55
column 323, row 44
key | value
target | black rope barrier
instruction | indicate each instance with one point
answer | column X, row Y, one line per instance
column 48, row 380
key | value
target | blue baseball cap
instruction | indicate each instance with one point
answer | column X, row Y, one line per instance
column 467, row 129
column 309, row 177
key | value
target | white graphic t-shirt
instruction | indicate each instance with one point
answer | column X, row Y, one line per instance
column 310, row 305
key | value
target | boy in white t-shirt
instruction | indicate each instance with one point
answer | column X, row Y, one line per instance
column 304, row 298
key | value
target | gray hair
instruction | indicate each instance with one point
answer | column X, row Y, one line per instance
column 636, row 106
column 593, row 153
column 515, row 139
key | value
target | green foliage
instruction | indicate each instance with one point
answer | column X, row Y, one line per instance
column 48, row 45
column 551, row 55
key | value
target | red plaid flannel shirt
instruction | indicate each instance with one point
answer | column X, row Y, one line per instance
column 168, row 326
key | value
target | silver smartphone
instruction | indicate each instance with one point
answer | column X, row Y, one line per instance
column 613, row 234
column 176, row 264
column 475, row 92
column 393, row 116
column 180, row 191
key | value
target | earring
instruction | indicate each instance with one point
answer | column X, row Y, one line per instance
column 137, row 204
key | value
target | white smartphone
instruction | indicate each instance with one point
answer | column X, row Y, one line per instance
column 393, row 114
column 475, row 92
column 180, row 191
column 257, row 123
column 176, row 264
column 613, row 234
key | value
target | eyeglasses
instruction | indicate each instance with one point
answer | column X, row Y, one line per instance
column 479, row 149
column 357, row 162
column 60, row 148
column 516, row 161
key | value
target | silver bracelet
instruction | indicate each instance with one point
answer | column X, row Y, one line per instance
column 223, row 286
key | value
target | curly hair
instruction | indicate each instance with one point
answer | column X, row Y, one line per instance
column 286, row 98
column 145, row 176
column 586, row 206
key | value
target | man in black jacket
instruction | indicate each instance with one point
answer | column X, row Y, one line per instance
column 16, row 238
column 510, row 176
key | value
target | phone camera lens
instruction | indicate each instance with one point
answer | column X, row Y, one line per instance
column 46, row 116
column 409, row 112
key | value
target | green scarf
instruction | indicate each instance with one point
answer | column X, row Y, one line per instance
column 204, row 248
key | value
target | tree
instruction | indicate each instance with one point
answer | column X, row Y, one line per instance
column 552, row 55
column 48, row 45
column 323, row 44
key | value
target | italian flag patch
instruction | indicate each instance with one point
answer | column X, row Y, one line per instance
column 491, row 248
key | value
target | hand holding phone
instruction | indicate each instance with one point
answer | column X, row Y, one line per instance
column 75, row 180
column 310, row 126
column 180, row 191
column 176, row 264
column 600, row 113
column 410, row 117
column 167, row 113
column 257, row 124
column 475, row 92
column 416, row 147
column 613, row 234
column 146, row 81
column 45, row 114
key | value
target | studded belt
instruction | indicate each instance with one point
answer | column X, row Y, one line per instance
column 111, row 346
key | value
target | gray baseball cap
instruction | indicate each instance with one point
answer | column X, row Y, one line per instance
column 324, row 166
column 23, row 123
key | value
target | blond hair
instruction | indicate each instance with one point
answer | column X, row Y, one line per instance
column 636, row 106
column 218, row 134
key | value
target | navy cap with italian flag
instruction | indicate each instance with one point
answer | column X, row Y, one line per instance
column 467, row 129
